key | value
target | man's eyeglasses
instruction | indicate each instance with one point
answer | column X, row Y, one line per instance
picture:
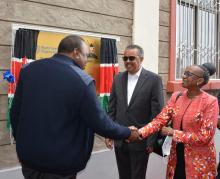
column 189, row 74
column 130, row 58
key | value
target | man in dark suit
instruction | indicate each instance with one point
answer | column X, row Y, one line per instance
column 55, row 113
column 136, row 98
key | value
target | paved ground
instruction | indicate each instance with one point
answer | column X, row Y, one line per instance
column 8, row 155
column 101, row 165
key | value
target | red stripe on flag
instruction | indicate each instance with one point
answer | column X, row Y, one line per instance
column 15, row 71
column 106, row 78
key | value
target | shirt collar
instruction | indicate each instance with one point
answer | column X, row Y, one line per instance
column 65, row 59
column 137, row 74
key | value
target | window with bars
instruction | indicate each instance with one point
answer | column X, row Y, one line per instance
column 197, row 34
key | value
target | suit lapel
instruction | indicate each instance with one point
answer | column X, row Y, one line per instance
column 124, row 83
column 140, row 82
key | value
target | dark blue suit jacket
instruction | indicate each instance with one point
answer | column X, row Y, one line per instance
column 54, row 115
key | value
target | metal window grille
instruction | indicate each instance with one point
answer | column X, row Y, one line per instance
column 197, row 34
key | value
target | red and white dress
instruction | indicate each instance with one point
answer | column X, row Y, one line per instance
column 199, row 120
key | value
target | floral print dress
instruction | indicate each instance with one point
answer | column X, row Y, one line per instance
column 199, row 120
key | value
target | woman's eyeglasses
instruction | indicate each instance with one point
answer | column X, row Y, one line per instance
column 130, row 58
column 189, row 74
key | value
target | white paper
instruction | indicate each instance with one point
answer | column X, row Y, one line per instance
column 167, row 145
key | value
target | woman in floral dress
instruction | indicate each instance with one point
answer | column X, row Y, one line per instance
column 218, row 170
column 194, row 119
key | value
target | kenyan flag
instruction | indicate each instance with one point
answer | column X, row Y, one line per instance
column 24, row 50
column 108, row 68
column 16, row 65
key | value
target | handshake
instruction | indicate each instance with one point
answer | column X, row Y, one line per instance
column 134, row 136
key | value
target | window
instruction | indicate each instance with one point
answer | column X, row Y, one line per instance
column 197, row 34
column 194, row 39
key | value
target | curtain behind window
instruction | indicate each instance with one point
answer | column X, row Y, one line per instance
column 197, row 34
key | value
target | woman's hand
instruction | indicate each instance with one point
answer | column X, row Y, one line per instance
column 109, row 143
column 167, row 131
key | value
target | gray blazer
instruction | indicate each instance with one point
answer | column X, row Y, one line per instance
column 146, row 102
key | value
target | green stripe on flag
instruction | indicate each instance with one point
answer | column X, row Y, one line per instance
column 8, row 123
column 104, row 102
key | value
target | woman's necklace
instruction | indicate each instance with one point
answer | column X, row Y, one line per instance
column 191, row 96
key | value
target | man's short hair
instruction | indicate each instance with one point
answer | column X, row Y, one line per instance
column 139, row 48
column 69, row 43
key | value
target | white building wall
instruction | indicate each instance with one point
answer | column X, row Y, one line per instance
column 146, row 31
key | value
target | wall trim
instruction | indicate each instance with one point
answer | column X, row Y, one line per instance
column 59, row 30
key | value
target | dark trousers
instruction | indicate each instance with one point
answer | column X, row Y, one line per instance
column 218, row 176
column 180, row 165
column 29, row 173
column 131, row 164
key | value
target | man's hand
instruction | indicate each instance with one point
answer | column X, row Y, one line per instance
column 167, row 131
column 134, row 134
column 109, row 143
column 149, row 149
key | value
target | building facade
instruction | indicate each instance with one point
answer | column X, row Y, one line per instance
column 151, row 24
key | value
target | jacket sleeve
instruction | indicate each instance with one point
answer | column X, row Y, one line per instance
column 157, row 102
column 205, row 134
column 97, row 120
column 160, row 120
column 112, row 102
column 16, row 105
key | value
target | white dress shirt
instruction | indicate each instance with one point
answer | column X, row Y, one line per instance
column 132, row 81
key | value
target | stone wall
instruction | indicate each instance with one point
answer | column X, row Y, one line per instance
column 164, row 40
column 109, row 17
